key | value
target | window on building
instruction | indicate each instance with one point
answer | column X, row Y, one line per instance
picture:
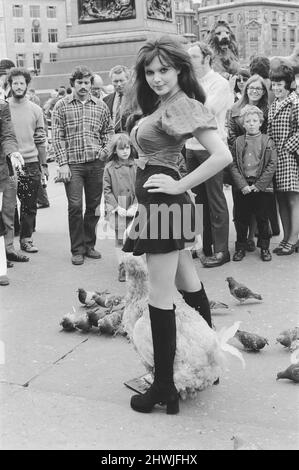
column 284, row 37
column 51, row 12
column 230, row 17
column 53, row 56
column 292, row 16
column 36, row 34
column 204, row 21
column 53, row 35
column 37, row 59
column 19, row 34
column 17, row 11
column 253, row 35
column 274, row 35
column 292, row 36
column 21, row 60
column 274, row 16
column 34, row 11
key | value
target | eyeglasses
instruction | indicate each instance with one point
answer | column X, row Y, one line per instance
column 255, row 90
column 242, row 79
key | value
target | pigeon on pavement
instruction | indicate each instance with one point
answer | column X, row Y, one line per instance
column 240, row 291
column 251, row 341
column 86, row 297
column 286, row 337
column 291, row 373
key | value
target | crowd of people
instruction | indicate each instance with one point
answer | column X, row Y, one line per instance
column 170, row 135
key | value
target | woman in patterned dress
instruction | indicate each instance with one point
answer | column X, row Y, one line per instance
column 283, row 128
column 170, row 99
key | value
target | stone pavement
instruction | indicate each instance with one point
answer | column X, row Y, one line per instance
column 65, row 390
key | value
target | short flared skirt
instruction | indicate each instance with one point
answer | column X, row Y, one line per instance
column 163, row 222
column 287, row 173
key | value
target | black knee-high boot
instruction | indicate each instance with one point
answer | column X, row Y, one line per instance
column 163, row 390
column 200, row 302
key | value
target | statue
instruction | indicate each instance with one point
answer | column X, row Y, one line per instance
column 223, row 42
column 110, row 10
column 159, row 9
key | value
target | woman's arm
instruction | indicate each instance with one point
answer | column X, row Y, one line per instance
column 220, row 157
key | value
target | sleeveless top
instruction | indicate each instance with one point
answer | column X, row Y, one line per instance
column 160, row 137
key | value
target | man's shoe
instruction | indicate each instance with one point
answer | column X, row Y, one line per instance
column 239, row 255
column 250, row 245
column 77, row 260
column 121, row 273
column 18, row 257
column 28, row 246
column 266, row 255
column 218, row 259
column 4, row 281
column 9, row 264
column 92, row 253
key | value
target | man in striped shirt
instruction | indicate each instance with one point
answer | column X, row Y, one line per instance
column 81, row 130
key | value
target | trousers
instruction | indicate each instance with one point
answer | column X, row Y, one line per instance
column 82, row 227
column 215, row 210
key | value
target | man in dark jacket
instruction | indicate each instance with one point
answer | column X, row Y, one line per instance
column 10, row 159
column 119, row 76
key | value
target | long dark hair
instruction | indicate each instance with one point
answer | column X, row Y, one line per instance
column 170, row 51
column 263, row 102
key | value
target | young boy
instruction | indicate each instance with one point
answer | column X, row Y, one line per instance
column 252, row 171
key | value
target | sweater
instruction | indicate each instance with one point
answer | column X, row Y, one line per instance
column 28, row 122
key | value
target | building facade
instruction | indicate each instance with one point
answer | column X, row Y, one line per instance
column 30, row 31
column 186, row 19
column 264, row 27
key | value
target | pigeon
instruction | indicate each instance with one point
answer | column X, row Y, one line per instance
column 104, row 300
column 86, row 297
column 68, row 322
column 287, row 336
column 82, row 323
column 294, row 345
column 95, row 315
column 251, row 341
column 240, row 444
column 214, row 304
column 240, row 291
column 291, row 372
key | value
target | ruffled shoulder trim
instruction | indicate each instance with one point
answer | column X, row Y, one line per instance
column 184, row 116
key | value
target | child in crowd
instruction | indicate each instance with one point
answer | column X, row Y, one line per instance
column 119, row 191
column 252, row 171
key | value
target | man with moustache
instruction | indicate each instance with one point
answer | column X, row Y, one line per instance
column 28, row 122
column 81, row 131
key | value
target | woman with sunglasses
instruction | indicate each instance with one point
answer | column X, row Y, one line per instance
column 240, row 82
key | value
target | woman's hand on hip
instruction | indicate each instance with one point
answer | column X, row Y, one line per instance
column 161, row 183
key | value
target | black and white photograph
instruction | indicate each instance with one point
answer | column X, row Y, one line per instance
column 105, row 10
column 149, row 228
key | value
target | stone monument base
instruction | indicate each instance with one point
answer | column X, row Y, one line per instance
column 102, row 44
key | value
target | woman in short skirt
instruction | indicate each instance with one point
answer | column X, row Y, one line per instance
column 171, row 103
